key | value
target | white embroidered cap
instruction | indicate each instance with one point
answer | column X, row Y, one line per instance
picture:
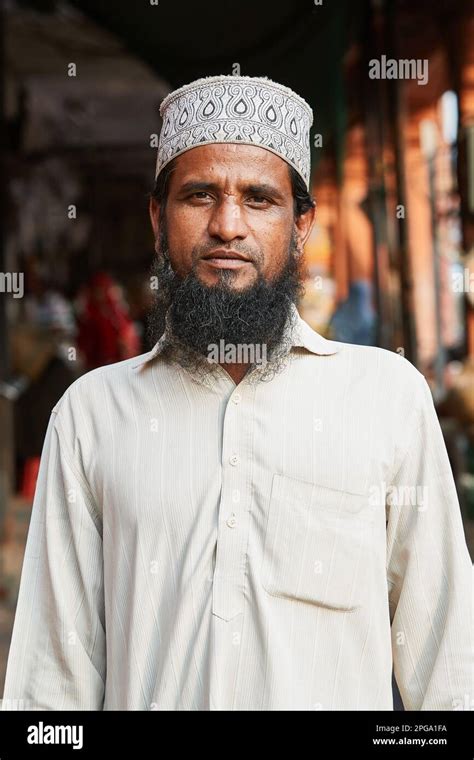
column 237, row 109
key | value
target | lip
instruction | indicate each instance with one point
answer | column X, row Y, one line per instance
column 224, row 259
column 224, row 254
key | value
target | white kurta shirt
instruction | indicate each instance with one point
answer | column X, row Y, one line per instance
column 275, row 545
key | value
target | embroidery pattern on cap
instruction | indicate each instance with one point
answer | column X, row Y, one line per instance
column 248, row 110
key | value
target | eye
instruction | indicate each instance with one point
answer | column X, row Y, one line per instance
column 258, row 200
column 200, row 195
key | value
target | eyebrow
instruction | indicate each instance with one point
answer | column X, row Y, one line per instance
column 255, row 189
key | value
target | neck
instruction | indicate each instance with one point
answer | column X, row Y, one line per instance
column 236, row 371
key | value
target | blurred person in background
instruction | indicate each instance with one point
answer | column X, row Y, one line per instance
column 43, row 365
column 354, row 320
column 106, row 334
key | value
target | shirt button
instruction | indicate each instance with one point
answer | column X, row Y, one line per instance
column 232, row 521
column 234, row 459
column 236, row 398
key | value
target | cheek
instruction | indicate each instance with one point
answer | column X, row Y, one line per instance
column 275, row 244
column 185, row 229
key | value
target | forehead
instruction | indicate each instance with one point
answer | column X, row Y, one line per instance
column 228, row 162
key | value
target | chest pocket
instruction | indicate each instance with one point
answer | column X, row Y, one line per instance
column 317, row 544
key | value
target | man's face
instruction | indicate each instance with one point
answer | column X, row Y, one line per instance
column 228, row 244
column 230, row 215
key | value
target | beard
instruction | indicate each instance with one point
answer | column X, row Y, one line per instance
column 191, row 317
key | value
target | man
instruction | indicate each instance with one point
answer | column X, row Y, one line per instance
column 216, row 530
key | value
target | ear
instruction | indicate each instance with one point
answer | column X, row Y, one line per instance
column 154, row 212
column 304, row 225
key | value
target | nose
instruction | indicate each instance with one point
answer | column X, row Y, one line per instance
column 226, row 222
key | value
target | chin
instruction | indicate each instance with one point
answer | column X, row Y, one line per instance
column 233, row 279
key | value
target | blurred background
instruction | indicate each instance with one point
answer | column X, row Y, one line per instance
column 390, row 261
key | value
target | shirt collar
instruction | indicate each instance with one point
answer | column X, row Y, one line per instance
column 303, row 337
column 306, row 337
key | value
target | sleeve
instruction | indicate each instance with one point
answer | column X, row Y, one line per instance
column 57, row 653
column 429, row 573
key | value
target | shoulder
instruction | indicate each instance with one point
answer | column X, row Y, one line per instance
column 386, row 379
column 386, row 365
column 93, row 387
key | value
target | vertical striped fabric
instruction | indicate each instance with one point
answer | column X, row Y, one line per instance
column 270, row 545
